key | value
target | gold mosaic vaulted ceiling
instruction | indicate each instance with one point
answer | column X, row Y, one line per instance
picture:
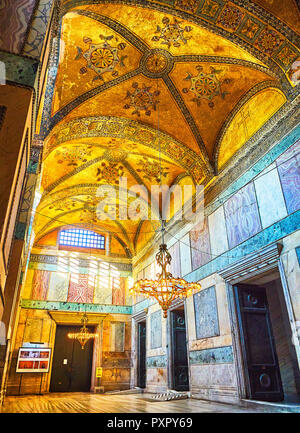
column 209, row 73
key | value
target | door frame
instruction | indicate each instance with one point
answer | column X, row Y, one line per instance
column 141, row 316
column 177, row 303
column 252, row 265
column 59, row 317
column 138, row 353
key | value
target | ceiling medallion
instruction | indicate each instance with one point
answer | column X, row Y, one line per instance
column 157, row 63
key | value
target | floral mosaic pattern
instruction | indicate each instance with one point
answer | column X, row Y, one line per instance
column 109, row 172
column 230, row 17
column 172, row 34
column 73, row 156
column 103, row 57
column 151, row 170
column 206, row 86
column 268, row 41
column 141, row 99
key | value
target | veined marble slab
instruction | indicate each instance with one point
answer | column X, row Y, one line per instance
column 185, row 255
column 218, row 232
column 270, row 198
column 74, row 306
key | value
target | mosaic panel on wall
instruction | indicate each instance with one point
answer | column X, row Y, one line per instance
column 241, row 215
column 81, row 288
column 206, row 313
column 155, row 330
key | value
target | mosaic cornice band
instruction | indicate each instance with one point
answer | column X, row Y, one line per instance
column 82, row 263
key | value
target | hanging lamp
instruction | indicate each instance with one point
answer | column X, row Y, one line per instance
column 165, row 288
column 83, row 336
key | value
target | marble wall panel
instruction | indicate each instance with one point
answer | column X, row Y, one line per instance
column 117, row 336
column 241, row 215
column 216, row 355
column 298, row 254
column 270, row 199
column 156, row 330
column 118, row 291
column 291, row 267
column 185, row 255
column 40, row 284
column 156, row 380
column 218, row 233
column 206, row 313
column 102, row 292
column 289, row 173
column 58, row 286
column 200, row 244
column 175, row 267
column 14, row 19
column 212, row 375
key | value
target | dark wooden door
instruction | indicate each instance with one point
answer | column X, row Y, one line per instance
column 141, row 370
column 72, row 366
column 180, row 371
column 258, row 346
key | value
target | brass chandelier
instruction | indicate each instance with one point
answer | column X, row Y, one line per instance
column 166, row 288
column 83, row 336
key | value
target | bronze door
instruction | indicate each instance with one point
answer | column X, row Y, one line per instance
column 141, row 370
column 258, row 346
column 72, row 366
column 180, row 370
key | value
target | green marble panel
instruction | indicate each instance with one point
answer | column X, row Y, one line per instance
column 156, row 361
column 216, row 355
column 74, row 306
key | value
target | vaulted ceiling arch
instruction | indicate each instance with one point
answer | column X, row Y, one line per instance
column 135, row 83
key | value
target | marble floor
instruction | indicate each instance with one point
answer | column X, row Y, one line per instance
column 122, row 403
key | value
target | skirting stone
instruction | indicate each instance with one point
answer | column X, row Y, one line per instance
column 222, row 395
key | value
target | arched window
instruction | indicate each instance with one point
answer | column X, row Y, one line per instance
column 81, row 238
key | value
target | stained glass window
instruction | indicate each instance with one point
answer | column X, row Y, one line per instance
column 81, row 238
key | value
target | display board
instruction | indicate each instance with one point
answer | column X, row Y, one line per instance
column 33, row 360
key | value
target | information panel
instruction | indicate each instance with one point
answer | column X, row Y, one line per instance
column 31, row 360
